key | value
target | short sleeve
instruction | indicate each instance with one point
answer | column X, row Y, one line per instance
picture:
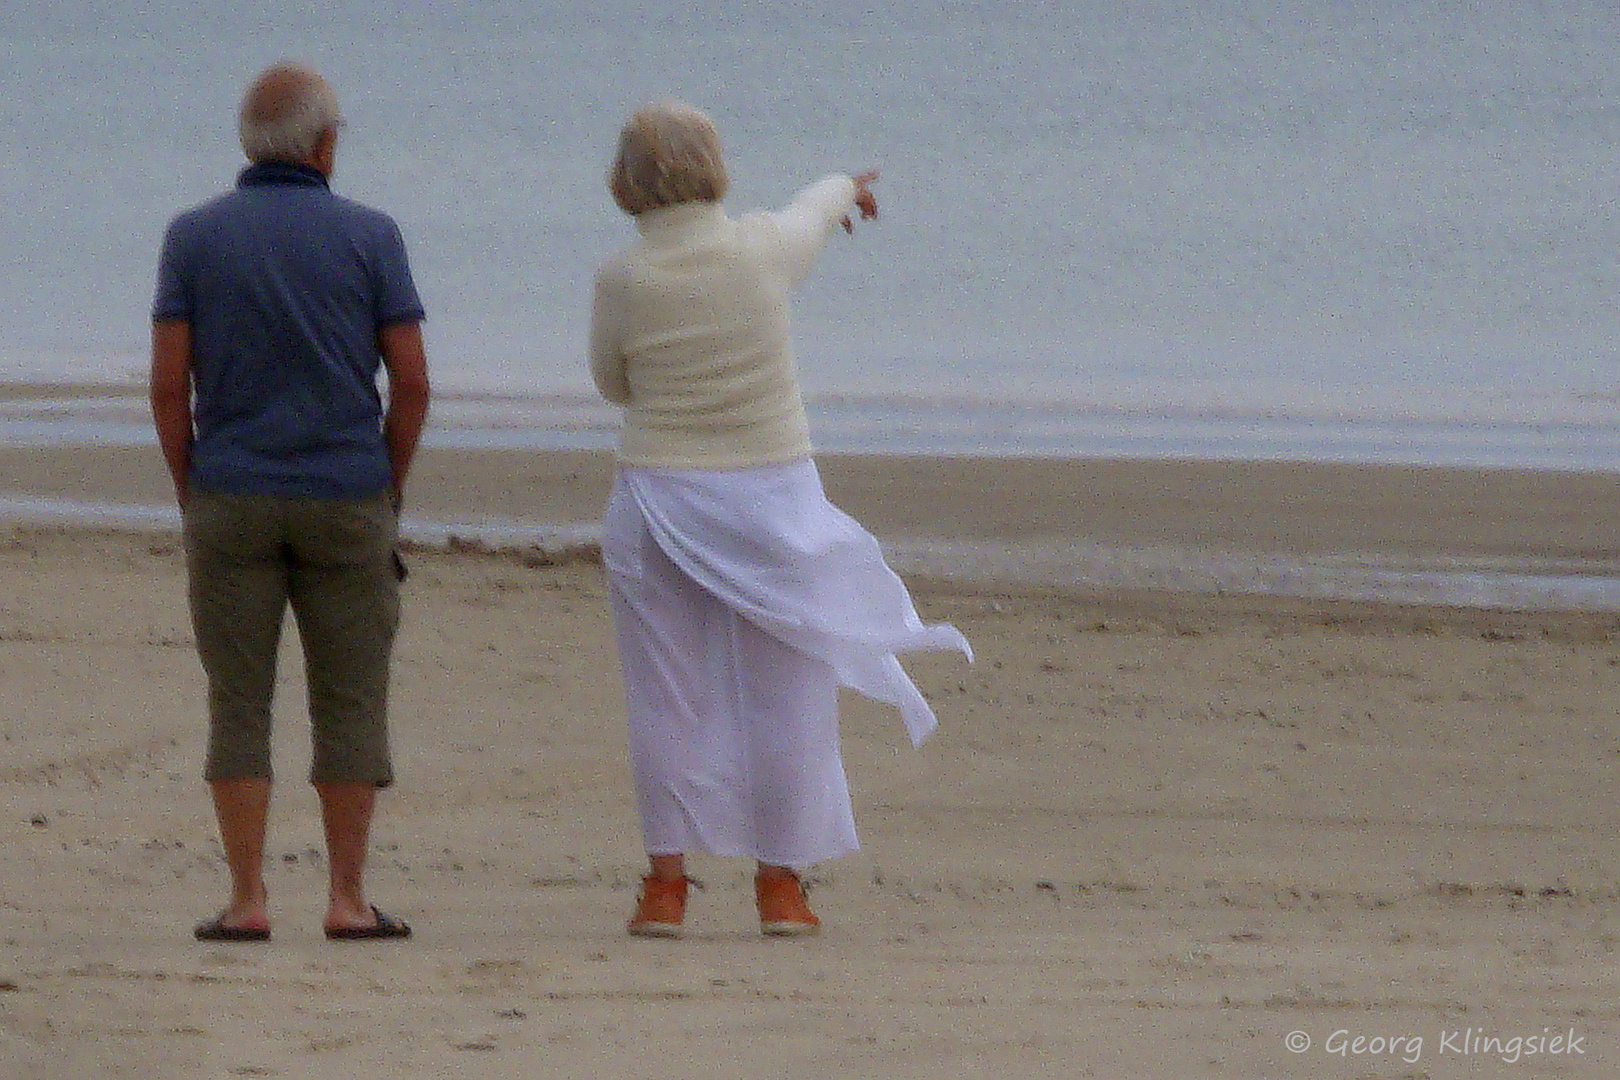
column 174, row 279
column 396, row 299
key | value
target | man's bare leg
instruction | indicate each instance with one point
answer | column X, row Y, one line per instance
column 242, row 806
column 346, row 810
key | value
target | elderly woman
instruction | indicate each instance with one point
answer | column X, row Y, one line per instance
column 742, row 597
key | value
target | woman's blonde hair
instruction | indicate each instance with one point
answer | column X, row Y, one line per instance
column 669, row 153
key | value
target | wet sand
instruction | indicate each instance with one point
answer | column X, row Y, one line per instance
column 1279, row 507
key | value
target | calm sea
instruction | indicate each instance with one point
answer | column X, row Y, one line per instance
column 1341, row 231
column 1349, row 231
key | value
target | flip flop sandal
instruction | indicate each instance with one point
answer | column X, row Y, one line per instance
column 216, row 930
column 384, row 929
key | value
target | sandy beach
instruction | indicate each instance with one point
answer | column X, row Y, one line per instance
column 1159, row 834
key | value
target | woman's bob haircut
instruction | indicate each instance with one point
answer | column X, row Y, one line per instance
column 669, row 153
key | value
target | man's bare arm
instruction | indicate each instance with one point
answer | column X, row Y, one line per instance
column 409, row 392
column 171, row 398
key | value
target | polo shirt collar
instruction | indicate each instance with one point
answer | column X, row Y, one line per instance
column 267, row 173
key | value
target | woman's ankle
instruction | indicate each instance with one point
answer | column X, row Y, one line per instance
column 666, row 867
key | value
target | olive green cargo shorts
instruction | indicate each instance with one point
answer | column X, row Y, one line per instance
column 332, row 560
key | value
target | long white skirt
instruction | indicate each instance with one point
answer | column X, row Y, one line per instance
column 742, row 599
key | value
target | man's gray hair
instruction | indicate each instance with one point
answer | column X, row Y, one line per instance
column 669, row 153
column 285, row 112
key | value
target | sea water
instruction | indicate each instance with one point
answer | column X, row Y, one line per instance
column 1349, row 231
column 1341, row 225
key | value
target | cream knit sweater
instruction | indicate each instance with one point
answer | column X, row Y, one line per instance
column 689, row 331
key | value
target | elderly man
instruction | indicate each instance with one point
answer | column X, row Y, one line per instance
column 276, row 305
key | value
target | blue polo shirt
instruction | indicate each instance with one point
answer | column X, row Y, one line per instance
column 285, row 286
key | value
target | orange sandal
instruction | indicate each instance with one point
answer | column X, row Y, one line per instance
column 662, row 908
column 783, row 910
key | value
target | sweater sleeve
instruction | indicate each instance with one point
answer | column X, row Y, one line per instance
column 607, row 320
column 804, row 225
